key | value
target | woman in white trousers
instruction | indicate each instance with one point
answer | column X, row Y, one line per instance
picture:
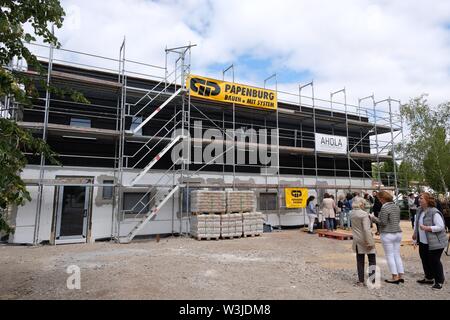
column 312, row 213
column 391, row 236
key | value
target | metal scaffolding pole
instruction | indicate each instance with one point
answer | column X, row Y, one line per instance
column 402, row 158
column 393, row 146
column 231, row 67
column 372, row 96
column 117, row 155
column 123, row 100
column 346, row 128
column 188, row 116
column 37, row 220
column 392, row 142
column 300, row 88
column 278, row 146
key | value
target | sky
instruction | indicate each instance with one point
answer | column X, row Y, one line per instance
column 394, row 48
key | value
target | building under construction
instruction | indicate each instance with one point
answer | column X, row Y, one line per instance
column 120, row 177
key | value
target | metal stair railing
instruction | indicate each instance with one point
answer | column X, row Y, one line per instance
column 141, row 224
column 149, row 149
column 150, row 117
column 159, row 92
column 166, row 174
column 168, row 122
column 156, row 159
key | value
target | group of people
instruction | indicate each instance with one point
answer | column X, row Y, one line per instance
column 429, row 234
column 429, row 219
column 442, row 204
column 339, row 213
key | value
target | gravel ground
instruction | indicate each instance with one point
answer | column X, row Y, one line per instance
column 287, row 264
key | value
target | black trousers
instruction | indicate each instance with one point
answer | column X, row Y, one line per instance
column 360, row 264
column 447, row 222
column 431, row 262
column 412, row 214
column 376, row 214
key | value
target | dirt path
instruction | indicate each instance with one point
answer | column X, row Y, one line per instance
column 280, row 265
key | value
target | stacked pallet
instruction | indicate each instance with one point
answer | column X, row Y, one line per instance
column 205, row 201
column 205, row 226
column 240, row 201
column 231, row 225
column 252, row 224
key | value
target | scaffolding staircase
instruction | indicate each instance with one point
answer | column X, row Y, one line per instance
column 161, row 142
column 149, row 216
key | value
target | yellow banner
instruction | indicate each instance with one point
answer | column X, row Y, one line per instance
column 223, row 91
column 296, row 197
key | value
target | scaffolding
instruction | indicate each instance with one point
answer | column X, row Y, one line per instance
column 144, row 91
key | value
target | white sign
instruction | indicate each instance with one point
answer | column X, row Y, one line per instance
column 331, row 144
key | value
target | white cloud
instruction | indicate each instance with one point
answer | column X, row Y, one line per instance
column 392, row 48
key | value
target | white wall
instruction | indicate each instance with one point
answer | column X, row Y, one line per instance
column 162, row 223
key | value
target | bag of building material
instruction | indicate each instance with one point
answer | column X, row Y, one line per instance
column 205, row 201
column 240, row 201
column 205, row 226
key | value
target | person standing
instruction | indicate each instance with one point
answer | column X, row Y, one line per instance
column 312, row 213
column 363, row 242
column 328, row 206
column 376, row 209
column 335, row 212
column 412, row 208
column 445, row 210
column 347, row 209
column 429, row 232
column 391, row 235
column 367, row 204
column 340, row 205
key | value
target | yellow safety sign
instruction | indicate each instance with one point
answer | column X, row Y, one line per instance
column 296, row 197
column 217, row 90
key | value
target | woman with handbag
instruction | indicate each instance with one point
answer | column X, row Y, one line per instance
column 429, row 233
column 363, row 242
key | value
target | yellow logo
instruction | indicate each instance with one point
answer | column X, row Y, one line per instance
column 296, row 197
column 229, row 92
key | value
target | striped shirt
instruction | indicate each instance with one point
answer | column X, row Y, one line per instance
column 389, row 218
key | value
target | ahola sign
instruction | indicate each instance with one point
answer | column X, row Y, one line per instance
column 331, row 144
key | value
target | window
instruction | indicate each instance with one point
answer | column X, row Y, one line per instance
column 79, row 122
column 107, row 190
column 135, row 122
column 134, row 202
column 268, row 201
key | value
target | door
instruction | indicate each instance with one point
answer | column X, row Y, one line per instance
column 72, row 215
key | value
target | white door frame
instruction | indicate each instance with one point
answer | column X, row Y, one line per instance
column 77, row 238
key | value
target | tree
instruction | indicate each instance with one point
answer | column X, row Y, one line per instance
column 428, row 146
column 15, row 16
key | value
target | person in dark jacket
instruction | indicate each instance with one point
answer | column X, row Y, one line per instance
column 376, row 208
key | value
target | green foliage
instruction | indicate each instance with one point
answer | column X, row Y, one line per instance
column 428, row 146
column 14, row 15
column 14, row 141
column 38, row 14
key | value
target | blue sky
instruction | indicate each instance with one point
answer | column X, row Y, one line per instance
column 391, row 48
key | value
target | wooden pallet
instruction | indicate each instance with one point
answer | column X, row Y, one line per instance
column 212, row 213
column 252, row 235
column 230, row 237
column 230, row 212
column 335, row 235
column 205, row 238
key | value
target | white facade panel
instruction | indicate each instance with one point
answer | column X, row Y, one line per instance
column 102, row 215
